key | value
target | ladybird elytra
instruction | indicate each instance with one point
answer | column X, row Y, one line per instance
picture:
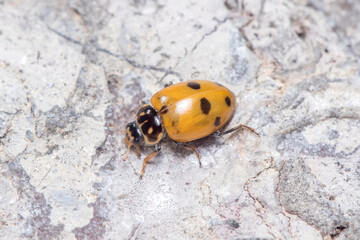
column 194, row 109
column 185, row 112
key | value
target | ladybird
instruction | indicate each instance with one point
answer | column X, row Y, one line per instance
column 184, row 112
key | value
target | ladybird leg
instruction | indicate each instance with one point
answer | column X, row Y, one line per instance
column 142, row 102
column 168, row 84
column 217, row 133
column 138, row 152
column 194, row 149
column 146, row 160
column 236, row 128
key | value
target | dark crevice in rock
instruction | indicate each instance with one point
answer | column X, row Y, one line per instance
column 96, row 227
column 301, row 194
column 38, row 224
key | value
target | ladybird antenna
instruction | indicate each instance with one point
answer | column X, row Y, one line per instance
column 116, row 126
column 127, row 152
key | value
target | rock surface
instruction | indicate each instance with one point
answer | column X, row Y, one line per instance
column 70, row 68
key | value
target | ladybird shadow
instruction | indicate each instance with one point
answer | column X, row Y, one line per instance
column 202, row 145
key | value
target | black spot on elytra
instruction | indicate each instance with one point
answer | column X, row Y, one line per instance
column 217, row 121
column 228, row 101
column 205, row 106
column 193, row 85
column 164, row 110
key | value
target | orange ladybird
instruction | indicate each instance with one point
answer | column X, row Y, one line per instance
column 186, row 111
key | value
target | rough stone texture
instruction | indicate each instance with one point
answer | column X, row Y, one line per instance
column 70, row 68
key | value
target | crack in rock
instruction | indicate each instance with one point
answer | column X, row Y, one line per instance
column 119, row 56
column 209, row 33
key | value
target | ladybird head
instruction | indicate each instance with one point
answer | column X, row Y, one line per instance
column 150, row 125
column 133, row 134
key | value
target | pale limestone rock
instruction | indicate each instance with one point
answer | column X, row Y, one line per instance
column 70, row 68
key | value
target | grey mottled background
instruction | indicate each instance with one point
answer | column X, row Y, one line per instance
column 70, row 68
